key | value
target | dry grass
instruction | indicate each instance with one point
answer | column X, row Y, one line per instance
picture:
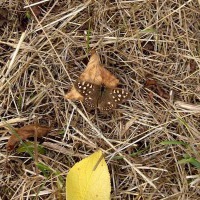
column 136, row 40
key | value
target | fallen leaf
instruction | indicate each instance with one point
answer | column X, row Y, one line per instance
column 36, row 10
column 89, row 179
column 73, row 94
column 147, row 47
column 155, row 87
column 26, row 132
column 3, row 16
column 94, row 73
column 150, row 82
column 193, row 66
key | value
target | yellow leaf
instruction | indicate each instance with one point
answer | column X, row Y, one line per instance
column 89, row 179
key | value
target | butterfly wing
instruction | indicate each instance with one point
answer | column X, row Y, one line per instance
column 110, row 98
column 89, row 91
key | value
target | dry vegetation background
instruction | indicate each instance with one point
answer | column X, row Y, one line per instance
column 152, row 47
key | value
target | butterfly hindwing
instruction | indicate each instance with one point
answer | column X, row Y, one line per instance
column 110, row 98
column 89, row 91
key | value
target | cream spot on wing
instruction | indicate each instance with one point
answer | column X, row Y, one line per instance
column 109, row 103
column 89, row 92
column 115, row 100
column 124, row 96
column 114, row 91
column 83, row 83
column 91, row 86
column 89, row 98
column 80, row 86
column 118, row 99
column 117, row 91
column 88, row 85
column 119, row 95
column 122, row 91
column 113, row 97
column 84, row 88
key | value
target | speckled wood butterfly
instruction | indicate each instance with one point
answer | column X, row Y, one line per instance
column 99, row 96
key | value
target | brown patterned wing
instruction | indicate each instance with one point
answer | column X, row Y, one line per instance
column 110, row 98
column 90, row 92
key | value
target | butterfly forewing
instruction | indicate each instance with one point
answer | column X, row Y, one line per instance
column 89, row 91
column 110, row 98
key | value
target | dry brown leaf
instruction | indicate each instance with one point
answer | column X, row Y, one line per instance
column 148, row 47
column 94, row 73
column 73, row 94
column 26, row 132
column 36, row 10
column 3, row 16
column 155, row 87
column 193, row 66
column 150, row 82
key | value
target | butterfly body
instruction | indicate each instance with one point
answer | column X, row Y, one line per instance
column 99, row 96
